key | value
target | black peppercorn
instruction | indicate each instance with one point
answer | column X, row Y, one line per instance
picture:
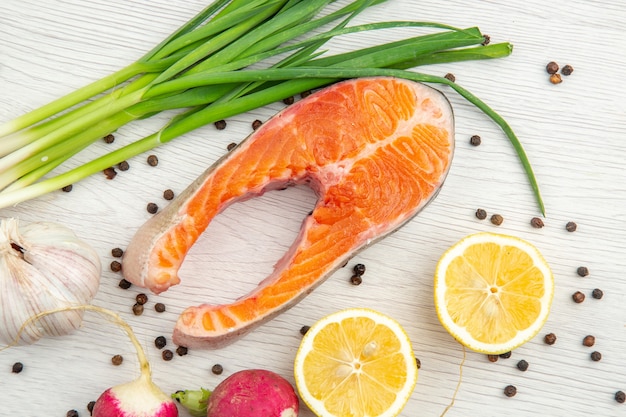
column 72, row 413
column 597, row 293
column 256, row 124
column 167, row 355
column 17, row 367
column 305, row 94
column 578, row 297
column 152, row 208
column 418, row 363
column 450, row 76
column 124, row 284
column 359, row 269
column 475, row 140
column 137, row 309
column 168, row 194
column 231, row 146
column 492, row 358
column 116, row 266
column 304, row 329
column 159, row 307
column 550, row 339
column 220, row 124
column 67, row 188
column 110, row 173
column 596, row 356
column 589, row 341
column 536, row 222
column 497, row 219
column 481, row 214
column 522, row 365
column 90, row 406
column 123, row 166
column 182, row 350
column 505, row 355
column 356, row 280
column 217, row 369
column 160, row 342
column 117, row 360
column 141, row 298
column 117, row 252
column 510, row 391
column 567, row 70
column 571, row 226
column 583, row 271
column 552, row 67
column 620, row 397
column 289, row 100
column 109, row 138
column 153, row 160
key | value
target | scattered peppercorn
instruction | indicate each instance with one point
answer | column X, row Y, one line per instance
column 486, row 40
column 168, row 194
column 117, row 360
column 522, row 365
column 583, row 271
column 17, row 367
column 109, row 138
column 153, row 160
column 510, row 391
column 552, row 67
column 620, row 397
column 117, row 252
column 289, row 100
column 550, row 339
column 596, row 356
column 497, row 219
column 492, row 358
column 116, row 266
column 305, row 94
column 450, row 76
column 110, row 173
column 304, row 329
column 356, row 280
column 475, row 140
column 418, row 363
column 137, row 309
column 160, row 342
column 124, row 284
column 141, row 298
column 556, row 79
column 182, row 350
column 359, row 269
column 152, row 208
column 231, row 146
column 123, row 166
column 578, row 297
column 505, row 355
column 67, row 188
column 481, row 214
column 567, row 70
column 597, row 293
column 167, row 355
column 220, row 124
column 159, row 307
column 72, row 413
column 589, row 341
column 571, row 226
column 536, row 222
column 256, row 124
column 217, row 369
column 90, row 406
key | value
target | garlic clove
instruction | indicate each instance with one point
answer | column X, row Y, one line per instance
column 43, row 266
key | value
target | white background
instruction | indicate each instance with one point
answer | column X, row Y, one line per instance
column 572, row 132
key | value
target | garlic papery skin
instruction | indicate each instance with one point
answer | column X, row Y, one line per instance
column 43, row 266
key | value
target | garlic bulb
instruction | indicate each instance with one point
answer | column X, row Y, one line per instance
column 43, row 266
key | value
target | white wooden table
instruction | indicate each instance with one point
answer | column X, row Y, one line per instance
column 573, row 133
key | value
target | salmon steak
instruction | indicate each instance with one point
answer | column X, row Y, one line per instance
column 375, row 151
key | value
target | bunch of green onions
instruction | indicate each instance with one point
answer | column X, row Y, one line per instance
column 204, row 70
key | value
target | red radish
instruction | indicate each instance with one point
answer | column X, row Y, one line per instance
column 247, row 393
column 138, row 398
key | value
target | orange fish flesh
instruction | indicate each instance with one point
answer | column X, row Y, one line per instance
column 375, row 150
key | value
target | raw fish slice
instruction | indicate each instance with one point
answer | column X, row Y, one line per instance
column 375, row 150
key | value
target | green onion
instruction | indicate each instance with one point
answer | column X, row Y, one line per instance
column 233, row 57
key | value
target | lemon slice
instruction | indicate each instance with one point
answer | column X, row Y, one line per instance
column 355, row 362
column 493, row 292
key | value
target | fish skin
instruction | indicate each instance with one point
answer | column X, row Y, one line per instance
column 358, row 168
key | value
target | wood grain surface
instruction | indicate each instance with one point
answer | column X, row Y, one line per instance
column 574, row 136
